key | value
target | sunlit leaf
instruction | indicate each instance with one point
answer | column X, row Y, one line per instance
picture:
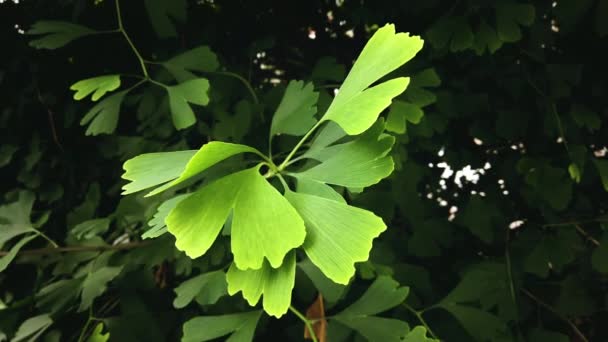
column 159, row 227
column 356, row 107
column 338, row 235
column 97, row 335
column 264, row 224
column 98, row 86
column 56, row 34
column 359, row 163
column 295, row 114
column 151, row 169
column 208, row 155
column 275, row 284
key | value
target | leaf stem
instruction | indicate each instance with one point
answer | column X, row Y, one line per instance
column 44, row 236
column 556, row 313
column 306, row 322
column 295, row 149
column 418, row 315
column 242, row 79
column 121, row 28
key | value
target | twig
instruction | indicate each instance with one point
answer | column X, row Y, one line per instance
column 306, row 322
column 418, row 315
column 51, row 118
column 74, row 249
column 511, row 284
column 121, row 28
column 586, row 235
column 557, row 314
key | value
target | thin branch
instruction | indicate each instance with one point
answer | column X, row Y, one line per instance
column 306, row 322
column 586, row 235
column 556, row 313
column 51, row 118
column 418, row 315
column 511, row 283
column 74, row 249
column 121, row 28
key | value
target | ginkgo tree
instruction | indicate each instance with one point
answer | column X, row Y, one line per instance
column 266, row 224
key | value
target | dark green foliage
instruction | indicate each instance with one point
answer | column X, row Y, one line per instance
column 490, row 171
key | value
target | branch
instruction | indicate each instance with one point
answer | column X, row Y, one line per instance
column 557, row 314
column 74, row 249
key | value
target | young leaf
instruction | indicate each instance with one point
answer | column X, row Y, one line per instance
column 200, row 59
column 95, row 284
column 159, row 227
column 264, row 224
column 295, row 114
column 98, row 86
column 208, row 155
column 205, row 328
column 356, row 107
column 192, row 91
column 213, row 282
column 275, row 284
column 56, row 33
column 103, row 117
column 32, row 328
column 357, row 164
column 338, row 235
column 162, row 13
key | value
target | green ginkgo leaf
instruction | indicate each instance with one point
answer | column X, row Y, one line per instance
column 356, row 107
column 163, row 14
column 275, row 284
column 31, row 329
column 103, row 117
column 159, row 227
column 95, row 284
column 295, row 113
column 357, row 164
column 212, row 284
column 338, row 235
column 509, row 17
column 192, row 91
column 98, row 86
column 56, row 33
column 208, row 155
column 400, row 113
column 200, row 59
column 152, row 169
column 6, row 259
column 205, row 328
column 264, row 224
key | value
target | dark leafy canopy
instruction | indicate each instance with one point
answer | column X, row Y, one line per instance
column 458, row 196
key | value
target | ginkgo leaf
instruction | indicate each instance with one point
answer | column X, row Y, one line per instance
column 151, row 169
column 331, row 291
column 377, row 328
column 338, row 235
column 205, row 328
column 275, row 284
column 103, row 117
column 264, row 224
column 355, row 108
column 313, row 187
column 508, row 18
column 15, row 217
column 200, row 59
column 159, row 227
column 328, row 69
column 162, row 13
column 357, row 164
column 56, row 33
column 384, row 293
column 602, row 169
column 208, row 155
column 400, row 113
column 91, row 228
column 32, row 328
column 98, row 86
column 95, row 284
column 214, row 282
column 295, row 113
column 192, row 91
column 418, row 334
column 12, row 253
column 97, row 335
column 480, row 324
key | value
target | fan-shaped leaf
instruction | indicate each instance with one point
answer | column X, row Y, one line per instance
column 295, row 114
column 98, row 86
column 192, row 91
column 56, row 33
